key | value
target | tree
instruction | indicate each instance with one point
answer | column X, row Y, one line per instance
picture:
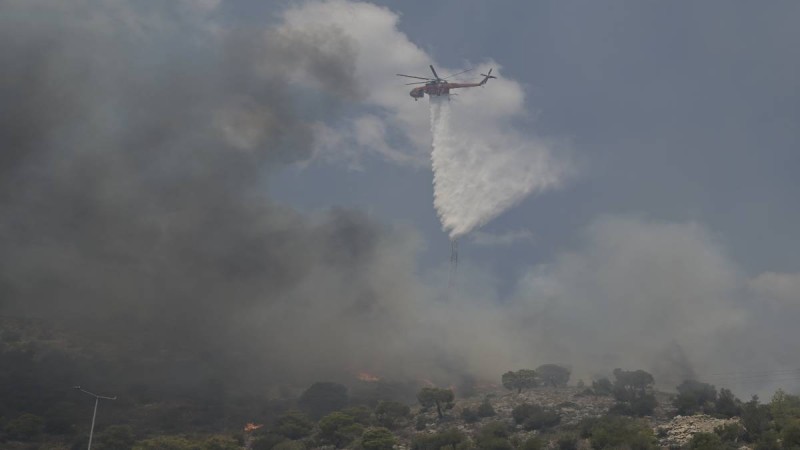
column 727, row 404
column 694, row 396
column 553, row 375
column 339, row 429
column 630, row 384
column 434, row 396
column 392, row 414
column 378, row 439
column 755, row 419
column 519, row 380
column 294, row 425
column 632, row 390
column 323, row 398
column 784, row 408
column 602, row 386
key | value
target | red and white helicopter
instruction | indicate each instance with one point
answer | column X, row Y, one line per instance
column 440, row 86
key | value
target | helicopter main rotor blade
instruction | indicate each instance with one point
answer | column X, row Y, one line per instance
column 434, row 72
column 412, row 76
column 459, row 73
column 418, row 82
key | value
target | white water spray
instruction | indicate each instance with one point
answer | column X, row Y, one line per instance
column 474, row 181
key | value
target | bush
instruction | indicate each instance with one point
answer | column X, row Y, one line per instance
column 339, row 429
column 612, row 432
column 26, row 427
column 534, row 417
column 694, row 396
column 115, row 437
column 485, row 409
column 267, row 441
column 447, row 438
column 706, row 441
column 567, row 442
column 494, row 436
column 392, row 414
column 732, row 432
column 294, row 425
column 533, row 443
column 378, row 439
column 469, row 416
column 323, row 398
column 636, row 407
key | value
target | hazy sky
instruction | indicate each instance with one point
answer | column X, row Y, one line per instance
column 260, row 165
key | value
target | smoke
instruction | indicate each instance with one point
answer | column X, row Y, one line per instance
column 137, row 143
column 475, row 180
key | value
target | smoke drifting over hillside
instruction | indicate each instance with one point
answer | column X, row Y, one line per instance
column 136, row 144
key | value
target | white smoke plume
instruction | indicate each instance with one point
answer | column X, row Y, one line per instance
column 475, row 180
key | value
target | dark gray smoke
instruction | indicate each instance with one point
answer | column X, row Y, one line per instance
column 135, row 146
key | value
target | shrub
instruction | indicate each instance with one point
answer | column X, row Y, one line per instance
column 485, row 409
column 378, row 439
column 26, row 427
column 468, row 415
column 534, row 417
column 620, row 432
column 706, row 441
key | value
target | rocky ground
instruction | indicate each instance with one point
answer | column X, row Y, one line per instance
column 573, row 406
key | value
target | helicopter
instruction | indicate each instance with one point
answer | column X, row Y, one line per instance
column 440, row 86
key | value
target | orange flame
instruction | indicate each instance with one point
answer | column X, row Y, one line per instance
column 366, row 376
column 250, row 427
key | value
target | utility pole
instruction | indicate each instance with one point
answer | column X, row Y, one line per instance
column 94, row 415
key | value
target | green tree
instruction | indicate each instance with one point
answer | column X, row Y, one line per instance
column 428, row 397
column 602, row 386
column 755, row 419
column 727, row 404
column 294, row 425
column 115, row 437
column 322, row 398
column 519, row 380
column 553, row 375
column 339, row 429
column 694, row 396
column 378, row 438
column 631, row 384
column 784, row 408
column 392, row 414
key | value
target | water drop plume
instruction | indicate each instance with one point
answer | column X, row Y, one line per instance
column 474, row 181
